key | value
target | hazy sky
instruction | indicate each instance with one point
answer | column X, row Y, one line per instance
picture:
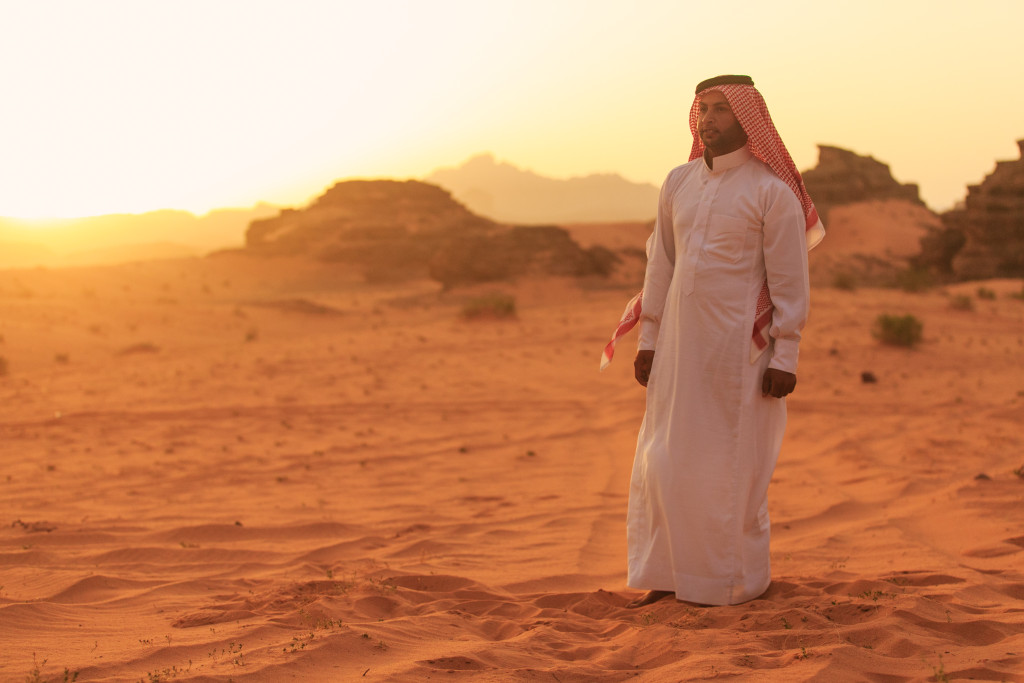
column 129, row 106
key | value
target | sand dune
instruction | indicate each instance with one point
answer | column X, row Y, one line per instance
column 262, row 492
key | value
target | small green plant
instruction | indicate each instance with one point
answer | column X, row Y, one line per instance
column 494, row 305
column 940, row 672
column 914, row 280
column 144, row 347
column 898, row 330
column 845, row 281
column 986, row 293
column 961, row 302
column 36, row 674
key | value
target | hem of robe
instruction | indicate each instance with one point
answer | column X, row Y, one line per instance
column 704, row 590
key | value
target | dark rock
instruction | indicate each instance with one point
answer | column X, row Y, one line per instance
column 390, row 230
column 940, row 246
column 522, row 250
column 843, row 177
column 868, row 378
column 992, row 223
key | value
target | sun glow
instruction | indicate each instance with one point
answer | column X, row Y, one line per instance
column 119, row 106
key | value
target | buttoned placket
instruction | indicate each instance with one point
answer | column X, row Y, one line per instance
column 710, row 181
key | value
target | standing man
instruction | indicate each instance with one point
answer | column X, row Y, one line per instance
column 725, row 297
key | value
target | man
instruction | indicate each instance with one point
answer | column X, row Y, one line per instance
column 725, row 297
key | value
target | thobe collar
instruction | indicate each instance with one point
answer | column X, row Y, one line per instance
column 726, row 161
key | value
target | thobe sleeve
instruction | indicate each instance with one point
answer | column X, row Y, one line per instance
column 661, row 258
column 785, row 260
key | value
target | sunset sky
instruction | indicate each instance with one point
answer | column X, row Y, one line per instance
column 136, row 105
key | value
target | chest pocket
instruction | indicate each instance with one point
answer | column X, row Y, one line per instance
column 726, row 237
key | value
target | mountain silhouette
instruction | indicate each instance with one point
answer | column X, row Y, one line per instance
column 117, row 238
column 509, row 194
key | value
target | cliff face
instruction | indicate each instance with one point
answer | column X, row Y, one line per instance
column 843, row 177
column 992, row 223
column 389, row 230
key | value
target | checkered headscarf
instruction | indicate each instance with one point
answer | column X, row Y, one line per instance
column 764, row 142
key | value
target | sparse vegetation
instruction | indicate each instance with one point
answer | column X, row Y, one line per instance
column 494, row 305
column 36, row 674
column 914, row 280
column 3, row 366
column 961, row 302
column 898, row 330
column 845, row 281
column 144, row 347
column 986, row 293
column 939, row 672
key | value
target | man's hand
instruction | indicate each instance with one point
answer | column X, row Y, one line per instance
column 642, row 366
column 777, row 383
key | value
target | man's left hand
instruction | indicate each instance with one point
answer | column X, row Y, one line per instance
column 777, row 383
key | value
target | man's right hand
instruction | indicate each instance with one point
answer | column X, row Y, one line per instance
column 642, row 366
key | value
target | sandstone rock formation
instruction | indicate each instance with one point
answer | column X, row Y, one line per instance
column 992, row 223
column 390, row 230
column 843, row 177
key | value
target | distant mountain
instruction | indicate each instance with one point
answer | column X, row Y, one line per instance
column 115, row 238
column 508, row 194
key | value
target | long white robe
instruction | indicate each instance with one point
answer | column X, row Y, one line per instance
column 698, row 514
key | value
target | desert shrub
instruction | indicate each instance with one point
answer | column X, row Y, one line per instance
column 914, row 279
column 845, row 281
column 144, row 347
column 898, row 330
column 961, row 302
column 494, row 305
column 3, row 366
column 986, row 293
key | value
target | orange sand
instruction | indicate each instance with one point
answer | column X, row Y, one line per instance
column 207, row 478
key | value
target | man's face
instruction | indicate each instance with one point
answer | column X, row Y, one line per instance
column 717, row 125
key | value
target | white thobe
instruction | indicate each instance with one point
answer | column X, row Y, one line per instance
column 698, row 514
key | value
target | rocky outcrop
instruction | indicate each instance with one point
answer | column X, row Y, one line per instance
column 843, row 177
column 992, row 224
column 390, row 230
column 523, row 250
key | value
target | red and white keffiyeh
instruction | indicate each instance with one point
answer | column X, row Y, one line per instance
column 764, row 142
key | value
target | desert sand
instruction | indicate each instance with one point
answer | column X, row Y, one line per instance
column 222, row 469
